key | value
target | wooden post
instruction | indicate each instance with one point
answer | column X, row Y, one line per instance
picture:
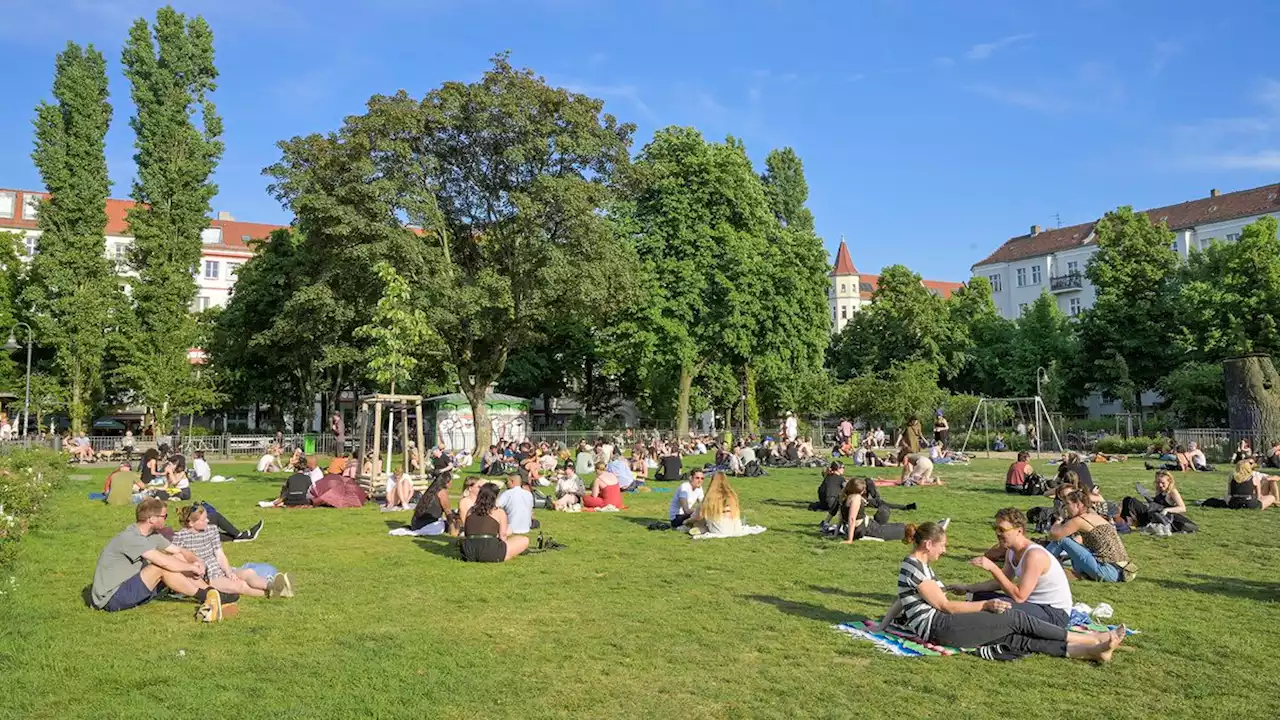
column 404, row 435
column 362, row 418
column 377, row 435
column 422, row 448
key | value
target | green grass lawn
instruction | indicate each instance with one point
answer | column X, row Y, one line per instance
column 626, row 622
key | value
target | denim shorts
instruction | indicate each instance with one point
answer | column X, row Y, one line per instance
column 131, row 593
column 262, row 570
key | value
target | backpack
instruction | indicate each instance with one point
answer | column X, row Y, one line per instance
column 1034, row 485
column 753, row 469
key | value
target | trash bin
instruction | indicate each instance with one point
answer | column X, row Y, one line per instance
column 309, row 445
column 57, row 443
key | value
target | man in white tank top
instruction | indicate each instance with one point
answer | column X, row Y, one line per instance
column 1032, row 579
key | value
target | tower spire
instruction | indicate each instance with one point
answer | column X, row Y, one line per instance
column 844, row 263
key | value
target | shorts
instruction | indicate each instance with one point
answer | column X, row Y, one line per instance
column 131, row 593
column 489, row 549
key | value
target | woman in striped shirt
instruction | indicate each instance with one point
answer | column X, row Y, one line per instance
column 991, row 626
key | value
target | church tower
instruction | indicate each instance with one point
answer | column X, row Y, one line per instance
column 844, row 296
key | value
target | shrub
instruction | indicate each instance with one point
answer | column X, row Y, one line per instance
column 1116, row 445
column 27, row 479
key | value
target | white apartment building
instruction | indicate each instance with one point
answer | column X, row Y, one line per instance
column 226, row 242
column 1055, row 259
column 851, row 290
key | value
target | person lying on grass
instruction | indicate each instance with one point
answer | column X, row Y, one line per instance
column 855, row 524
column 206, row 544
column 992, row 626
column 1032, row 580
column 134, row 565
column 1090, row 541
column 487, row 537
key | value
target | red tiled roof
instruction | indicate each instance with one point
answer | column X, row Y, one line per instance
column 1220, row 208
column 844, row 263
column 867, row 285
column 234, row 232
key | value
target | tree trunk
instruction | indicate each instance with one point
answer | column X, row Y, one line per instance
column 1253, row 397
column 682, row 404
column 480, row 417
column 753, row 408
column 77, row 405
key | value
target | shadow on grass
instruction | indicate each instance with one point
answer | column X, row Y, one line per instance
column 87, row 595
column 442, row 545
column 794, row 504
column 643, row 522
column 802, row 609
column 885, row 598
column 1244, row 588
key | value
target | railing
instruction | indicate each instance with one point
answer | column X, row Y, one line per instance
column 1219, row 444
column 1070, row 281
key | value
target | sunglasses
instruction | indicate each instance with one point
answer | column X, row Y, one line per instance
column 1000, row 530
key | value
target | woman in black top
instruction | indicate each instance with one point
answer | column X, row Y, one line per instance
column 433, row 505
column 1248, row 489
column 486, row 538
column 147, row 468
column 1073, row 462
column 1166, row 508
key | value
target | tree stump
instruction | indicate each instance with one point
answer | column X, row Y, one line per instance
column 1253, row 398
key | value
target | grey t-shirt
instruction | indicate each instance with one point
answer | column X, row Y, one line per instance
column 518, row 504
column 121, row 560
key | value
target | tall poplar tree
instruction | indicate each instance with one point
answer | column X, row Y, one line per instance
column 72, row 290
column 171, row 71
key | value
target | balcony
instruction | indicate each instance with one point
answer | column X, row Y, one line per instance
column 1066, row 283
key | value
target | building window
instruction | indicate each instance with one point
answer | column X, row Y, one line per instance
column 31, row 244
column 1232, row 237
column 210, row 270
column 7, row 198
column 995, row 282
column 30, row 206
column 211, row 236
column 1073, row 306
column 1022, row 309
column 233, row 269
column 200, row 304
column 1021, row 274
column 843, row 289
column 1035, row 274
column 120, row 256
column 1073, row 267
column 844, row 312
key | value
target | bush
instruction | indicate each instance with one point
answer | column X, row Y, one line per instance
column 27, row 479
column 1116, row 445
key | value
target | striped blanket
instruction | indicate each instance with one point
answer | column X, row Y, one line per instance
column 896, row 641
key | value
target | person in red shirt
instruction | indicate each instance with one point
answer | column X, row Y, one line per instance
column 1016, row 477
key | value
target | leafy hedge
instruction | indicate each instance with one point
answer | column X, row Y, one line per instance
column 27, row 479
column 1114, row 444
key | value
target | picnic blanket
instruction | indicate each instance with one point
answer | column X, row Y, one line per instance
column 742, row 532
column 435, row 528
column 898, row 641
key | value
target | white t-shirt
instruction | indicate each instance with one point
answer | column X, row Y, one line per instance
column 792, row 427
column 316, row 474
column 518, row 504
column 684, row 501
column 265, row 462
column 203, row 472
column 1052, row 588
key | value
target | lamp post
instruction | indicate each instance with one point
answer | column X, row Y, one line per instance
column 1042, row 375
column 12, row 345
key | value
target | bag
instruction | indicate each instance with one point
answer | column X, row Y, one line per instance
column 753, row 469
column 545, row 502
column 1034, row 484
column 544, row 543
column 1041, row 518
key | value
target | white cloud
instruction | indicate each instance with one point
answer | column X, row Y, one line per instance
column 982, row 51
column 1028, row 100
column 1245, row 142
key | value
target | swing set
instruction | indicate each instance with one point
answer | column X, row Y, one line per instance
column 1017, row 412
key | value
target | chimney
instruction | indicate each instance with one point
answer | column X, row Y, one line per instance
column 224, row 215
column 1213, row 192
column 1035, row 230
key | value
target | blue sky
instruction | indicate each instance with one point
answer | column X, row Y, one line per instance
column 930, row 131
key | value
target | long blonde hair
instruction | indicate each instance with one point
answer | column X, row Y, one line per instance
column 1244, row 469
column 720, row 499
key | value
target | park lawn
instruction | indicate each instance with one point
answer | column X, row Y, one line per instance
column 626, row 622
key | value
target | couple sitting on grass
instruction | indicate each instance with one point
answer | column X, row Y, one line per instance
column 838, row 495
column 997, row 628
column 715, row 511
column 137, row 562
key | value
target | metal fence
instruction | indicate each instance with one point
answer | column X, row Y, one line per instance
column 1219, row 444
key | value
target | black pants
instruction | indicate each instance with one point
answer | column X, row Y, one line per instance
column 225, row 526
column 884, row 531
column 1048, row 613
column 679, row 520
column 1019, row 631
column 1234, row 503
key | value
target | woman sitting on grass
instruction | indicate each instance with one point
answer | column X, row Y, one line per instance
column 206, row 543
column 1090, row 541
column 431, row 515
column 604, row 491
column 569, row 488
column 991, row 626
column 1248, row 489
column 399, row 491
column 1159, row 515
column 719, row 512
column 487, row 539
column 296, row 461
column 470, row 487
column 176, row 483
column 854, row 521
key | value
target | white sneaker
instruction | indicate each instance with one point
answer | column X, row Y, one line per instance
column 946, row 522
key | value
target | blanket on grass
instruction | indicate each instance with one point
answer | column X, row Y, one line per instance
column 742, row 532
column 900, row 642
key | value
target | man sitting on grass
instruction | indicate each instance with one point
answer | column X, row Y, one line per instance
column 132, row 567
column 1032, row 579
column 517, row 502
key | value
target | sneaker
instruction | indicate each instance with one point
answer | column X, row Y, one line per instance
column 1165, row 530
column 256, row 529
column 946, row 522
column 823, row 527
column 909, row 506
column 1148, row 466
column 1152, row 529
column 210, row 609
column 281, row 586
column 1141, row 490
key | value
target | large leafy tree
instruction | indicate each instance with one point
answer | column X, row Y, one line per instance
column 397, row 331
column 984, row 338
column 1044, row 338
column 1127, row 332
column 72, row 292
column 701, row 229
column 172, row 76
column 501, row 182
column 795, row 330
column 905, row 322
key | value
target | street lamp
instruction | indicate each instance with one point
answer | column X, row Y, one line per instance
column 12, row 345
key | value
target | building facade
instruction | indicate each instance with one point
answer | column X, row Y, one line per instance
column 227, row 242
column 850, row 289
column 1054, row 260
